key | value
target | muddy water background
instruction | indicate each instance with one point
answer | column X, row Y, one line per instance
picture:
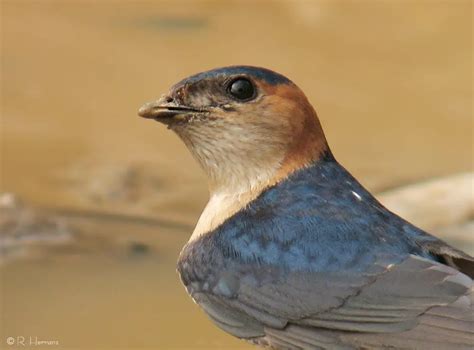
column 391, row 82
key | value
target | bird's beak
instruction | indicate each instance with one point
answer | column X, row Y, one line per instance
column 165, row 112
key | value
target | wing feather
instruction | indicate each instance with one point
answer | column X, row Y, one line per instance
column 417, row 297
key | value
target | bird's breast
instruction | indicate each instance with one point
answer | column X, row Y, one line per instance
column 204, row 268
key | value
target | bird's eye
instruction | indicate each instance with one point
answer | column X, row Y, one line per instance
column 242, row 89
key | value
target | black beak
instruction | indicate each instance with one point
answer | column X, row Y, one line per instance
column 161, row 111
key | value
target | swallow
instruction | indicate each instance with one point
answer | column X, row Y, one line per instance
column 291, row 251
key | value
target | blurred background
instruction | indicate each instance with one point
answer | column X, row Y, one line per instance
column 96, row 203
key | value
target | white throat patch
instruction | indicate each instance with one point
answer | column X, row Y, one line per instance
column 225, row 203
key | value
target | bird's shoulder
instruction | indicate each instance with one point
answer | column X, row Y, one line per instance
column 319, row 220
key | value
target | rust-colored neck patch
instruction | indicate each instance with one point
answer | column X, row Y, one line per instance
column 306, row 143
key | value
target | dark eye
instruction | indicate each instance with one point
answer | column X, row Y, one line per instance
column 242, row 89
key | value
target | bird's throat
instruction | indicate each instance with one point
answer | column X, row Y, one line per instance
column 233, row 194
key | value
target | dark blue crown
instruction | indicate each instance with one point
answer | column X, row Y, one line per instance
column 264, row 74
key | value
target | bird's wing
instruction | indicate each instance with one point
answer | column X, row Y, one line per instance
column 450, row 256
column 299, row 308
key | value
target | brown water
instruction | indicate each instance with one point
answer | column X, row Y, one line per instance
column 391, row 82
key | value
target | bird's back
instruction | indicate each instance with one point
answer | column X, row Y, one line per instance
column 318, row 243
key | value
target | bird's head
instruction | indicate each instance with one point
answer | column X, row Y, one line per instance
column 247, row 127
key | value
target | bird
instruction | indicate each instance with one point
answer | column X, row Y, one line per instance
column 291, row 251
